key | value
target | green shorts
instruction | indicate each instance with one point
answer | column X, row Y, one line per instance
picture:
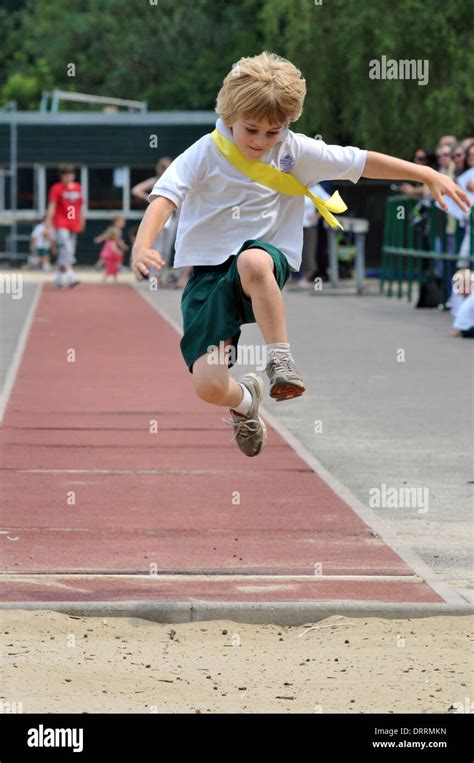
column 214, row 306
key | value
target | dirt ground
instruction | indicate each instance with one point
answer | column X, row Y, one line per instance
column 60, row 663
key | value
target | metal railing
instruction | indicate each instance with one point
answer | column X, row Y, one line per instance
column 416, row 247
column 99, row 100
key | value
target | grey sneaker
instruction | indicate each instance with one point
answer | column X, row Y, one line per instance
column 285, row 382
column 249, row 430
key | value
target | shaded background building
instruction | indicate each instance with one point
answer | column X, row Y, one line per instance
column 113, row 152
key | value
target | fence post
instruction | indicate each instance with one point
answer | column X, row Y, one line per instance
column 333, row 261
column 360, row 228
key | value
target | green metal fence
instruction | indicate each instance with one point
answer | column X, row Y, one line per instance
column 417, row 248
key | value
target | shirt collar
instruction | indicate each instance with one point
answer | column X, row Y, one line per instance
column 227, row 133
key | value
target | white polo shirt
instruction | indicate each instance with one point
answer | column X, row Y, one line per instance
column 221, row 207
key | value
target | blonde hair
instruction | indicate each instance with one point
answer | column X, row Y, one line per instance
column 266, row 86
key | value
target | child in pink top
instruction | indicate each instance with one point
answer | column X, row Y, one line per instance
column 111, row 254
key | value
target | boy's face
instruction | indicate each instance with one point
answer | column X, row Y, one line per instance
column 68, row 177
column 255, row 138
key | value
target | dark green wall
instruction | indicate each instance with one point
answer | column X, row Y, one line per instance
column 98, row 144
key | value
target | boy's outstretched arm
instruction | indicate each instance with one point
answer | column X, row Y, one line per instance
column 153, row 222
column 384, row 167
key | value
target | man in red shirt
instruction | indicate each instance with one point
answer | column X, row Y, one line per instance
column 66, row 215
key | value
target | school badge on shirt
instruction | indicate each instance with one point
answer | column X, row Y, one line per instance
column 287, row 163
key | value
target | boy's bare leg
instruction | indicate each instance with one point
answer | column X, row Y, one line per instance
column 258, row 282
column 255, row 268
column 214, row 385
column 213, row 382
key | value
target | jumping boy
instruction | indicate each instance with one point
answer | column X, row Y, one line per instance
column 66, row 215
column 243, row 237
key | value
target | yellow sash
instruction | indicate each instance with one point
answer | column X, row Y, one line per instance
column 278, row 181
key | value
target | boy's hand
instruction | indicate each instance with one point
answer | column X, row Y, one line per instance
column 440, row 185
column 142, row 259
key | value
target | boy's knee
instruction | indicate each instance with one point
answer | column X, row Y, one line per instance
column 254, row 264
column 210, row 390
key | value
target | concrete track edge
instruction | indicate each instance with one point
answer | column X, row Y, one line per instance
column 263, row 613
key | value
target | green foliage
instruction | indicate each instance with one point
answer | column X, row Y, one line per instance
column 175, row 55
column 26, row 88
column 21, row 89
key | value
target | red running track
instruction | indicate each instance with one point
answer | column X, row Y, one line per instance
column 98, row 507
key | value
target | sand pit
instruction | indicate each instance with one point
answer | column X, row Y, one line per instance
column 59, row 663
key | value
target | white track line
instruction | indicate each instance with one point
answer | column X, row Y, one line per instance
column 34, row 577
column 160, row 472
column 405, row 552
column 18, row 354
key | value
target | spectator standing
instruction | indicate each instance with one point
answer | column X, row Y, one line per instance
column 66, row 215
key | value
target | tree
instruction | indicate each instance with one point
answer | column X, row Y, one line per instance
column 176, row 54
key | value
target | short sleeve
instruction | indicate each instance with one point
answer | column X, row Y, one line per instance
column 317, row 161
column 183, row 174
